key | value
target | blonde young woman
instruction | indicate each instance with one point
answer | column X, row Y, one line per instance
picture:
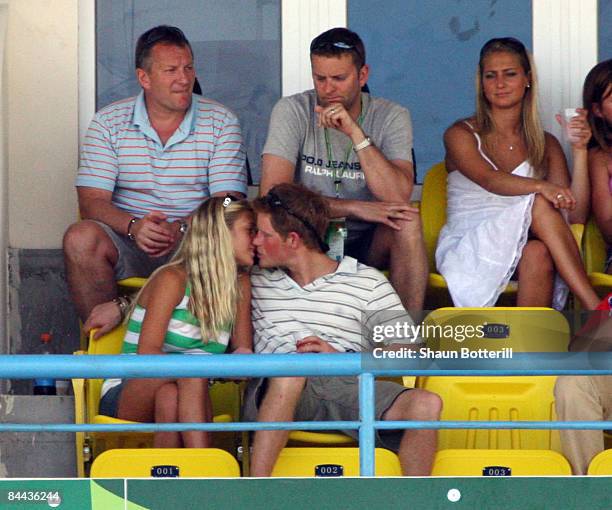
column 508, row 183
column 199, row 303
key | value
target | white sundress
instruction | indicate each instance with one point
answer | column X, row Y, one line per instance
column 483, row 239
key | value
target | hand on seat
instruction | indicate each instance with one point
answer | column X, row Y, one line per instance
column 103, row 317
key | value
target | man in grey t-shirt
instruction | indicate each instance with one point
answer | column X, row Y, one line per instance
column 355, row 150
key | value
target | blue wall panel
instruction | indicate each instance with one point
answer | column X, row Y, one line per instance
column 605, row 29
column 424, row 55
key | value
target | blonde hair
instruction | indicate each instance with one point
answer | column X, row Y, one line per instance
column 532, row 130
column 207, row 255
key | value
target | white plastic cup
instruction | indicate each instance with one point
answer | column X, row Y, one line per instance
column 568, row 115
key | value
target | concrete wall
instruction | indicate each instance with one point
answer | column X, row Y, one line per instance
column 40, row 92
column 42, row 81
column 37, row 454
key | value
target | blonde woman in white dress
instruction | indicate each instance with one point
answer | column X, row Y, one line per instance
column 507, row 185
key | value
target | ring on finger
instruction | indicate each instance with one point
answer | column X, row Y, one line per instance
column 560, row 196
column 332, row 111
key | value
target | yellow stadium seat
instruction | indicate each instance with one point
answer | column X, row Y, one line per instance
column 500, row 463
column 522, row 329
column 594, row 248
column 601, row 464
column 165, row 463
column 502, row 398
column 305, row 437
column 131, row 284
column 332, row 462
column 225, row 397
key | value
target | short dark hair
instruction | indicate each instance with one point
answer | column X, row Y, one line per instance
column 162, row 34
column 294, row 208
column 338, row 41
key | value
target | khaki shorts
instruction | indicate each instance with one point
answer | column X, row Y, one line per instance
column 132, row 261
column 333, row 399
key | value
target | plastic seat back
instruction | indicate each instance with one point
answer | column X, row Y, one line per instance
column 594, row 248
column 601, row 464
column 522, row 329
column 433, row 209
column 500, row 463
column 165, row 463
column 503, row 398
column 595, row 254
column 110, row 343
column 331, row 462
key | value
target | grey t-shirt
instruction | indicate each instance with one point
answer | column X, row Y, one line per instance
column 293, row 135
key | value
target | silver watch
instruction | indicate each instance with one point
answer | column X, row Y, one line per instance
column 183, row 228
column 362, row 145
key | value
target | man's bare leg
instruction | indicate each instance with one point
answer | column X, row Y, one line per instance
column 418, row 447
column 279, row 403
column 404, row 252
column 90, row 257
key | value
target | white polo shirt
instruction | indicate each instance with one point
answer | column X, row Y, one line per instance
column 335, row 307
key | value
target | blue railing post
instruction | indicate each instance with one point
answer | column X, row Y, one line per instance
column 366, row 430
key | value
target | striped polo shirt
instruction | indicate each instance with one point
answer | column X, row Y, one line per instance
column 122, row 153
column 340, row 308
column 183, row 336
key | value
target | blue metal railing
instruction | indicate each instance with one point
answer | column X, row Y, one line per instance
column 282, row 365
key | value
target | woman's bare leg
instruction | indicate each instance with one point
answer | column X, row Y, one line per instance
column 536, row 275
column 137, row 402
column 166, row 411
column 550, row 227
column 193, row 402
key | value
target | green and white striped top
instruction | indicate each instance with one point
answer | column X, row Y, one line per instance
column 183, row 334
column 182, row 337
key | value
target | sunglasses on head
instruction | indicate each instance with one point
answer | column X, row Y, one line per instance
column 273, row 200
column 321, row 45
column 330, row 46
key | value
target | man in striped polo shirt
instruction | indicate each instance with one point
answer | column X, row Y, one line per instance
column 316, row 304
column 146, row 163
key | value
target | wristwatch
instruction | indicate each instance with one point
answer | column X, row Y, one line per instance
column 362, row 145
column 183, row 228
